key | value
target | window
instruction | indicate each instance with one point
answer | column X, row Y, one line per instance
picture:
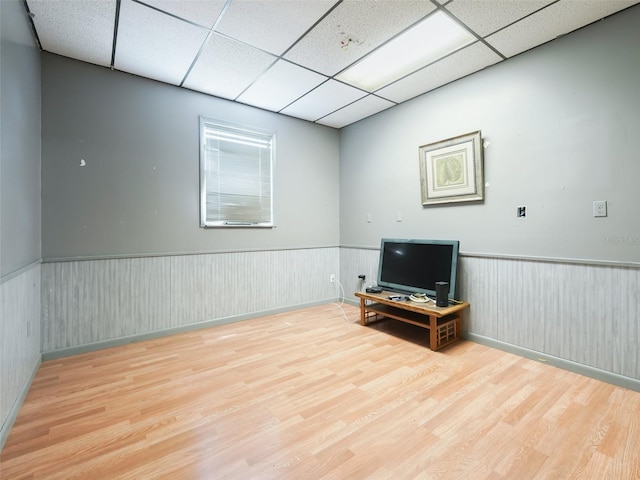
column 235, row 175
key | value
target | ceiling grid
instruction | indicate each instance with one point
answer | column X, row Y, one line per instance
column 284, row 56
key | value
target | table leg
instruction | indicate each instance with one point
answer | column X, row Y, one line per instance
column 433, row 333
column 362, row 312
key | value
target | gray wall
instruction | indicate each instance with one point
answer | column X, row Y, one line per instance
column 138, row 193
column 19, row 211
column 561, row 125
column 20, row 145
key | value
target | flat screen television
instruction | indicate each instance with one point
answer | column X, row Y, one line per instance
column 414, row 266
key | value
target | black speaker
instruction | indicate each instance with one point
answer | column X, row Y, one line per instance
column 442, row 294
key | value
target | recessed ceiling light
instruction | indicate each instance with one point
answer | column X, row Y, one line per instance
column 433, row 38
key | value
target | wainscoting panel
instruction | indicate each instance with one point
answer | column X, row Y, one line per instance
column 150, row 295
column 354, row 262
column 91, row 301
column 583, row 313
column 19, row 341
column 476, row 283
column 86, row 302
column 194, row 288
column 528, row 305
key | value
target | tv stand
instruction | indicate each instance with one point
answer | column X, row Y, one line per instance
column 444, row 323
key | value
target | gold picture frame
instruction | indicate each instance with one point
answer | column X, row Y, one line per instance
column 452, row 170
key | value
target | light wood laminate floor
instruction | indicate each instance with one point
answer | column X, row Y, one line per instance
column 311, row 394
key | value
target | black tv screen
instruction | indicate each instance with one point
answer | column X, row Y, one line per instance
column 416, row 265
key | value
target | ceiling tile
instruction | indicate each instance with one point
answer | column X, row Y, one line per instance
column 360, row 26
column 464, row 62
column 202, row 12
column 272, row 26
column 155, row 45
column 80, row 29
column 555, row 20
column 280, row 85
column 277, row 54
column 488, row 17
column 226, row 67
column 323, row 100
column 358, row 110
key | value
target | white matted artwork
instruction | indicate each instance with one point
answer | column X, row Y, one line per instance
column 452, row 170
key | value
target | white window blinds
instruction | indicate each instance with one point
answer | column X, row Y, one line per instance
column 235, row 170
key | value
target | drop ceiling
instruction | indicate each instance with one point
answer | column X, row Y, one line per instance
column 285, row 55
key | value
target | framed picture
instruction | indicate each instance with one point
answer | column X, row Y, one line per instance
column 452, row 170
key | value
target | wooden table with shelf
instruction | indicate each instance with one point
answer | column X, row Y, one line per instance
column 444, row 323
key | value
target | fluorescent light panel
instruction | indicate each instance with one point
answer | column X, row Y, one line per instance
column 431, row 39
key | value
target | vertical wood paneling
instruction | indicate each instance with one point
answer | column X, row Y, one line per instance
column 582, row 313
column 150, row 295
column 602, row 307
column 354, row 262
column 627, row 307
column 99, row 300
column 584, row 340
column 86, row 302
column 106, row 306
column 19, row 336
column 527, row 303
column 476, row 282
column 193, row 293
column 60, row 304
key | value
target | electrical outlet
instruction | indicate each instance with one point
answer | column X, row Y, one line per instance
column 332, row 278
column 600, row 208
